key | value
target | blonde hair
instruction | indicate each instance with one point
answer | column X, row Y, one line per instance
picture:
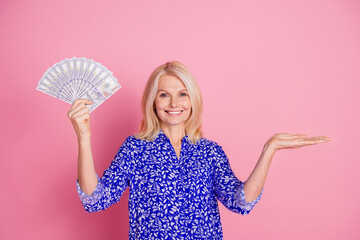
column 150, row 124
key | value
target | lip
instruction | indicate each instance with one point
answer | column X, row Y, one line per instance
column 173, row 111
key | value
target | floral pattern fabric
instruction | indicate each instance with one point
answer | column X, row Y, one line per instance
column 170, row 197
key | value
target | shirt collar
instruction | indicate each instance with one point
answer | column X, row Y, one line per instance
column 163, row 136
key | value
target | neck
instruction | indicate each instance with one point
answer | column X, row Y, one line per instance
column 174, row 133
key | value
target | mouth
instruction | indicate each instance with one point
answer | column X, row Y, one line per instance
column 174, row 112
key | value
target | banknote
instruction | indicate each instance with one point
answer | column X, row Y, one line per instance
column 101, row 91
column 76, row 78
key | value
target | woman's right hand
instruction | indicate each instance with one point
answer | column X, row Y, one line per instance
column 80, row 118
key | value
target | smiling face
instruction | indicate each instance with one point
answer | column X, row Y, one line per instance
column 172, row 102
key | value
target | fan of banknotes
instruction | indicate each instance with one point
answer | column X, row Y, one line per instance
column 76, row 78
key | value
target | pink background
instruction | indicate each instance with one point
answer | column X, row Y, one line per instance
column 263, row 67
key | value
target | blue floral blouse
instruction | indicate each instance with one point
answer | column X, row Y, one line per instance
column 170, row 197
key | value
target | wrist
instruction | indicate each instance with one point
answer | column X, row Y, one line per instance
column 270, row 146
column 84, row 140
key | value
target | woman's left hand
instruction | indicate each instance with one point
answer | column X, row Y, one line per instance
column 288, row 140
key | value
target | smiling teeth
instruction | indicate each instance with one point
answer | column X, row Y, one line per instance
column 174, row 112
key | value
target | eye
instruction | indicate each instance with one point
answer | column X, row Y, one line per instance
column 163, row 95
column 183, row 94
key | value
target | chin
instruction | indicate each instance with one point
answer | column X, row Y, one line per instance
column 174, row 123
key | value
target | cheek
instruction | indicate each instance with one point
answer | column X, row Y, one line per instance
column 159, row 104
column 187, row 104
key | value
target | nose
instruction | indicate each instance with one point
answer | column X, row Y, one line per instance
column 173, row 102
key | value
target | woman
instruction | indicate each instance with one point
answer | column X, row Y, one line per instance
column 175, row 175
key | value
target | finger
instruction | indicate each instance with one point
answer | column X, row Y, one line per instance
column 325, row 137
column 297, row 136
column 84, row 100
column 321, row 138
column 302, row 135
column 312, row 141
column 304, row 142
column 80, row 109
column 77, row 109
column 78, row 101
column 81, row 116
column 285, row 135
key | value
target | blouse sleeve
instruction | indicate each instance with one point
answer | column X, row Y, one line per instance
column 229, row 189
column 112, row 184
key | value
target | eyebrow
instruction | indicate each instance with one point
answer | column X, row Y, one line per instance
column 165, row 90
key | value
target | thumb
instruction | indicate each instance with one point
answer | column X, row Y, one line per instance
column 88, row 102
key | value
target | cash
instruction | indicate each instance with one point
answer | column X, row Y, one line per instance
column 76, row 78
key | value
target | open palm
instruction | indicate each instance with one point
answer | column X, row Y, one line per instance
column 288, row 140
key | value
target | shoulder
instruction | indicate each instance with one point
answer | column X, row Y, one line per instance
column 208, row 144
column 211, row 149
column 136, row 143
column 132, row 146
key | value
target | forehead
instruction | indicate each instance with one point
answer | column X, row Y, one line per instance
column 171, row 83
